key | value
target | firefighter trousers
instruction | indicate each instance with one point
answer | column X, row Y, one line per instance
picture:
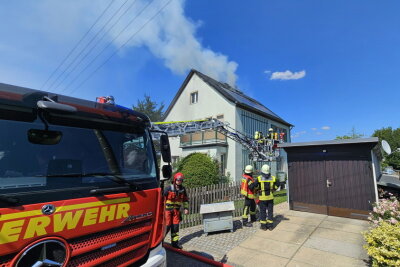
column 266, row 210
column 173, row 218
column 249, row 209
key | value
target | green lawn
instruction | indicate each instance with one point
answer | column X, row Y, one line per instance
column 280, row 196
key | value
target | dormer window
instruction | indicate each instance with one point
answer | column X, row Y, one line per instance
column 194, row 97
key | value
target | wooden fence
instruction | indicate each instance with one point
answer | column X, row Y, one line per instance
column 211, row 194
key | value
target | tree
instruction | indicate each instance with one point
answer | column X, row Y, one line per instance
column 199, row 170
column 393, row 138
column 390, row 135
column 150, row 108
column 352, row 135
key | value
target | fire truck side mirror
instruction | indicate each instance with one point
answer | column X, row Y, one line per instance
column 167, row 171
column 165, row 148
column 44, row 137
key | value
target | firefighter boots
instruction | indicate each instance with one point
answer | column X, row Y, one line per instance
column 253, row 218
column 175, row 244
column 263, row 227
column 246, row 223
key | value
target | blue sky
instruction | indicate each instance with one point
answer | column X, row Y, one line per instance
column 324, row 66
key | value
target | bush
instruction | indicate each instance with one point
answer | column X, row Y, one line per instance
column 387, row 210
column 393, row 160
column 383, row 244
column 199, row 170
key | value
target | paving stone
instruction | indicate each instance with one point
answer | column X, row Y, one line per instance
column 321, row 258
column 332, row 241
column 293, row 227
column 239, row 256
column 337, row 247
column 284, row 236
column 302, row 220
column 305, row 214
column 354, row 238
column 267, row 260
column 269, row 246
column 347, row 221
column 343, row 227
column 294, row 263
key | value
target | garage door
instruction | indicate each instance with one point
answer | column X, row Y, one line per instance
column 331, row 181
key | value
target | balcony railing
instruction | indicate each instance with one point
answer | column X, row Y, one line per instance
column 203, row 138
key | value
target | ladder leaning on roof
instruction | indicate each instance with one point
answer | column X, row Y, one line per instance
column 261, row 149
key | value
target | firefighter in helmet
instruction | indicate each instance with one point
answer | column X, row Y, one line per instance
column 247, row 190
column 266, row 185
column 176, row 197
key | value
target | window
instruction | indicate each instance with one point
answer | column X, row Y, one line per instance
column 194, row 97
column 220, row 117
column 83, row 160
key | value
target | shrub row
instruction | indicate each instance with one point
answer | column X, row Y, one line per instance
column 383, row 239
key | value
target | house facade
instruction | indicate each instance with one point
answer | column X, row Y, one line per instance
column 201, row 97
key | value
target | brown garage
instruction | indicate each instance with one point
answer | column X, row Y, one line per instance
column 336, row 177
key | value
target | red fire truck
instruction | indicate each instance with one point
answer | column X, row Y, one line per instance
column 79, row 183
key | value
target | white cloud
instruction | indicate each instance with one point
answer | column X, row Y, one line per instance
column 318, row 133
column 49, row 29
column 288, row 75
column 325, row 128
column 267, row 71
column 314, row 129
column 298, row 134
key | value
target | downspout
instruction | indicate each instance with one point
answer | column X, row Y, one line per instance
column 374, row 176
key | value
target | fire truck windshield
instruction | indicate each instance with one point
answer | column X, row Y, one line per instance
column 84, row 160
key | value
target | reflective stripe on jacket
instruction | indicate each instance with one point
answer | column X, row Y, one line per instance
column 175, row 198
column 266, row 188
column 246, row 186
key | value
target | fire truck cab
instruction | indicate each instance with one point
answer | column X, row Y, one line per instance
column 79, row 183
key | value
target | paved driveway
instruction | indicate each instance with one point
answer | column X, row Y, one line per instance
column 304, row 239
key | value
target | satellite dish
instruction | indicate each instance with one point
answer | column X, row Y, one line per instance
column 386, row 147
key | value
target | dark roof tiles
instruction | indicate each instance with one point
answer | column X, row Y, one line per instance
column 239, row 98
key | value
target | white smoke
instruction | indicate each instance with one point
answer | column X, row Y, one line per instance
column 170, row 36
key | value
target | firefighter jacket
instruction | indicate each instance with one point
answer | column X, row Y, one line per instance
column 247, row 186
column 265, row 187
column 176, row 196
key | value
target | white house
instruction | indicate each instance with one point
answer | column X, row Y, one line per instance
column 201, row 97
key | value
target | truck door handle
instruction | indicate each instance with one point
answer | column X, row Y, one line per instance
column 328, row 183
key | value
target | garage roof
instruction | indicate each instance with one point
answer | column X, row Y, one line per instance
column 332, row 142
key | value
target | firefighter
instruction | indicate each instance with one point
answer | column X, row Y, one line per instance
column 176, row 196
column 247, row 190
column 265, row 186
